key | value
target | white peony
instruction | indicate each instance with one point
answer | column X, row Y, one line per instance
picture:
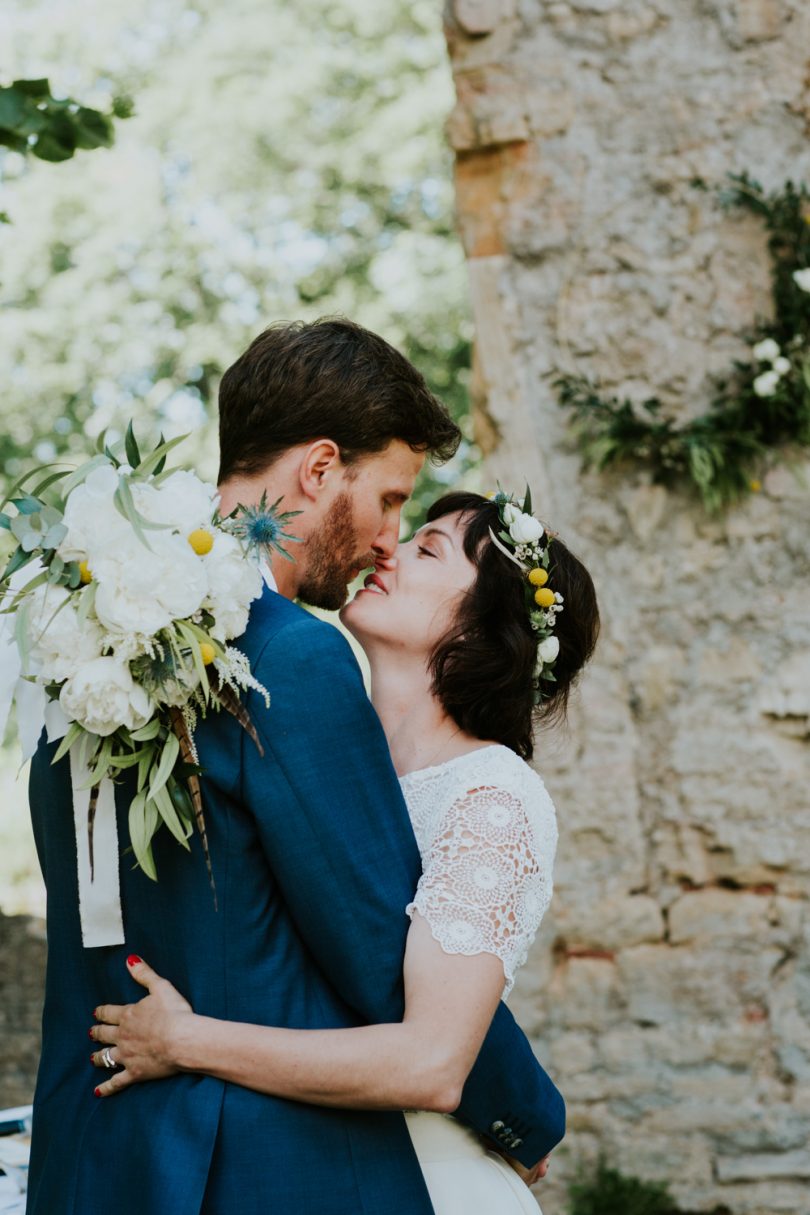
column 802, row 279
column 183, row 501
column 548, row 649
column 59, row 643
column 141, row 590
column 766, row 351
column 765, row 385
column 782, row 366
column 91, row 517
column 525, row 529
column 102, row 696
column 233, row 583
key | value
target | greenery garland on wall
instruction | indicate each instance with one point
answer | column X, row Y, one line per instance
column 764, row 402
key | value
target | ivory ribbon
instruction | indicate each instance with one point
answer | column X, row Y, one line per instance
column 100, row 894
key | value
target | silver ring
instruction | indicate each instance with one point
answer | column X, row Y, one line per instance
column 107, row 1059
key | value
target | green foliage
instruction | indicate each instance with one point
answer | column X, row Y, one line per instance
column 285, row 161
column 33, row 120
column 609, row 1192
column 757, row 410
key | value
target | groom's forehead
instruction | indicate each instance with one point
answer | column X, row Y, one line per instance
column 396, row 468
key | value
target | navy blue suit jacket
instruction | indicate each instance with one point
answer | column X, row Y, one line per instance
column 314, row 861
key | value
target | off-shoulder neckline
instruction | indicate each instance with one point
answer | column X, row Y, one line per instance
column 432, row 769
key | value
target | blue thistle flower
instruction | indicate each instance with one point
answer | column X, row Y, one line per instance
column 262, row 527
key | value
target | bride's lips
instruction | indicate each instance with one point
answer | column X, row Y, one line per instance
column 375, row 584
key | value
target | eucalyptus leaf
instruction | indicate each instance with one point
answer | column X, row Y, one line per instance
column 168, row 758
column 181, row 831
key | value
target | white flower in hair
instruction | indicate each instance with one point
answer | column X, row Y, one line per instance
column 802, row 279
column 510, row 513
column 525, row 529
column 548, row 649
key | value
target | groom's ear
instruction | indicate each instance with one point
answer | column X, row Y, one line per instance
column 320, row 466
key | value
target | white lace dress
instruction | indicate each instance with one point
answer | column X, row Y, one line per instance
column 487, row 832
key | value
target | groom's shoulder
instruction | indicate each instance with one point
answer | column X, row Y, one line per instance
column 276, row 623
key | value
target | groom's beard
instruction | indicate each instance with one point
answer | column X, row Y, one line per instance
column 332, row 559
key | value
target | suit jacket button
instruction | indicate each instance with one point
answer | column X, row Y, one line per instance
column 496, row 1128
column 507, row 1132
column 516, row 1143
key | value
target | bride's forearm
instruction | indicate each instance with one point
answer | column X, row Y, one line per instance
column 371, row 1067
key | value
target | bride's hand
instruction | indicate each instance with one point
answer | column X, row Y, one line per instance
column 140, row 1037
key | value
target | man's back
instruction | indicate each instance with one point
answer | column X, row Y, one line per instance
column 191, row 1143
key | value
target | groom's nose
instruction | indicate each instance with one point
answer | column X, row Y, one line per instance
column 387, row 539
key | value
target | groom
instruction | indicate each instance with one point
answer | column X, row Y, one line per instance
column 313, row 855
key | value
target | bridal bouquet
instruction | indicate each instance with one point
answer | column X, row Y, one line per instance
column 124, row 589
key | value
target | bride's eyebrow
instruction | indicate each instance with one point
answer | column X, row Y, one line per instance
column 424, row 532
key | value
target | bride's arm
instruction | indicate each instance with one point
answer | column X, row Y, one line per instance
column 419, row 1063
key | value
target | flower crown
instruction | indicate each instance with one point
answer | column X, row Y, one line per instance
column 525, row 541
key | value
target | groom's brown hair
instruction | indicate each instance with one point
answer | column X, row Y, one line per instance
column 325, row 379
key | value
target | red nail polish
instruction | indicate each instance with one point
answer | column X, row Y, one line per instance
column 96, row 1092
column 134, row 960
column 89, row 1033
column 93, row 1058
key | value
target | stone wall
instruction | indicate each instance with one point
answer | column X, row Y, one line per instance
column 669, row 989
column 22, row 970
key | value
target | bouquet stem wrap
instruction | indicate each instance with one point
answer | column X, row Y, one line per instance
column 100, row 884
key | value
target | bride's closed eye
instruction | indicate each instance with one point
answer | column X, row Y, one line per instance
column 424, row 551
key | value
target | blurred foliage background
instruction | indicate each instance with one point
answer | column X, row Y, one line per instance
column 282, row 161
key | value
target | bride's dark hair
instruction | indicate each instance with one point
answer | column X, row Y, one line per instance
column 483, row 669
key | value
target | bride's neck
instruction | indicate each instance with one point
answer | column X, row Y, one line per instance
column 418, row 730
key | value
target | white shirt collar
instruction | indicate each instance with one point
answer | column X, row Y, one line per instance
column 267, row 575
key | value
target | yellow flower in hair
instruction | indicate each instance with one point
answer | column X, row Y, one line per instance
column 207, row 652
column 85, row 572
column 538, row 576
column 544, row 597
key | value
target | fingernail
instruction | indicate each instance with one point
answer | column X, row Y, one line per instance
column 89, row 1033
column 134, row 960
column 93, row 1057
column 95, row 1013
column 96, row 1092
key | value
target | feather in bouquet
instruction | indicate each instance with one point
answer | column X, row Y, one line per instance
column 125, row 588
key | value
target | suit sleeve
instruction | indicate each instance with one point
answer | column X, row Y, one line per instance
column 335, row 829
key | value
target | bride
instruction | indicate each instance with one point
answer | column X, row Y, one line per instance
column 474, row 634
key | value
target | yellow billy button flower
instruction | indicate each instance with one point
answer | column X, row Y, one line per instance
column 538, row 576
column 84, row 572
column 207, row 652
column 544, row 597
column 201, row 541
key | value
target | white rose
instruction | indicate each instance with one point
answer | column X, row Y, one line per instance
column 548, row 649
column 141, row 590
column 234, row 581
column 525, row 529
column 183, row 501
column 91, row 517
column 765, row 385
column 802, row 279
column 766, row 351
column 510, row 513
column 65, row 644
column 102, row 696
column 782, row 366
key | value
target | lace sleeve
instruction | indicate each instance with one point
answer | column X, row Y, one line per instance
column 485, row 885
